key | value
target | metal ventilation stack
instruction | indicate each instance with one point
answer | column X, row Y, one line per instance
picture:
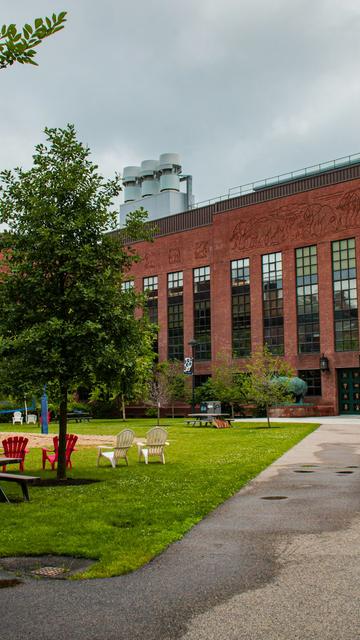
column 149, row 178
column 155, row 186
column 131, row 182
column 169, row 170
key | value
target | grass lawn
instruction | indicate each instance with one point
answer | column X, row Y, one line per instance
column 135, row 512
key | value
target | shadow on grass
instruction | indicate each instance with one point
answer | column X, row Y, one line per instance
column 66, row 482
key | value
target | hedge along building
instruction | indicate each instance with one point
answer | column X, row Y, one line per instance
column 276, row 263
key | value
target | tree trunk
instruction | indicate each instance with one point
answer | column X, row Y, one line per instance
column 232, row 409
column 172, row 410
column 61, row 467
column 123, row 407
column 158, row 414
column 267, row 415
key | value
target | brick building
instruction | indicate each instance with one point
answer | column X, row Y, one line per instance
column 278, row 265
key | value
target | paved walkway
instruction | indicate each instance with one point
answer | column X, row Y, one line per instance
column 254, row 569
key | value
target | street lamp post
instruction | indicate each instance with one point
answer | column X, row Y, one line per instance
column 192, row 343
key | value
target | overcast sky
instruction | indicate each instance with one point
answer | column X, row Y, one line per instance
column 241, row 89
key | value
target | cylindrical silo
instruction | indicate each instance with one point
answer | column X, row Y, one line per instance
column 149, row 178
column 169, row 169
column 131, row 182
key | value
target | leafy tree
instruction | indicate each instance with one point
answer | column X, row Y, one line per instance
column 133, row 377
column 64, row 319
column 19, row 46
column 178, row 390
column 263, row 384
column 225, row 385
column 158, row 390
column 136, row 371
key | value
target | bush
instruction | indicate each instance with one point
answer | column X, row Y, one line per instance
column 151, row 412
column 78, row 406
column 103, row 409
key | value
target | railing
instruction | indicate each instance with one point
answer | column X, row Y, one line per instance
column 288, row 184
column 250, row 187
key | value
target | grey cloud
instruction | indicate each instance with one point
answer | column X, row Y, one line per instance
column 240, row 89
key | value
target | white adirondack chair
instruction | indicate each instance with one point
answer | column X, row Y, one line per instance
column 31, row 418
column 124, row 440
column 17, row 418
column 154, row 445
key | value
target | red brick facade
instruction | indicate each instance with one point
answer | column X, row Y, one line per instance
column 315, row 215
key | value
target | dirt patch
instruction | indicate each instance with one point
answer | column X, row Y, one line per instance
column 46, row 440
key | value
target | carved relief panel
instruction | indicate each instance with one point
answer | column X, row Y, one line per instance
column 305, row 221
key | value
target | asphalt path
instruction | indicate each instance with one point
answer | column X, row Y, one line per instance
column 283, row 568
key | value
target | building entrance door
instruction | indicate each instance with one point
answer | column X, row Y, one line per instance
column 349, row 391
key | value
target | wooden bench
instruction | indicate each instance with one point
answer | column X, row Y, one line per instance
column 23, row 481
column 220, row 423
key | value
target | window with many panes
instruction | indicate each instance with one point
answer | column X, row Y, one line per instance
column 345, row 295
column 175, row 316
column 127, row 285
column 151, row 290
column 273, row 302
column 312, row 377
column 201, row 379
column 202, row 313
column 307, row 299
column 240, row 304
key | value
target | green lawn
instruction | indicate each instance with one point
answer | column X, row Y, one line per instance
column 134, row 512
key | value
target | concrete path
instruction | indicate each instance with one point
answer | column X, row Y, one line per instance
column 255, row 568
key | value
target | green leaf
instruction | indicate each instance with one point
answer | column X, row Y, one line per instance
column 38, row 22
column 29, row 28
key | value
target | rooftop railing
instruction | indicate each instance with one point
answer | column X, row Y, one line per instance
column 299, row 174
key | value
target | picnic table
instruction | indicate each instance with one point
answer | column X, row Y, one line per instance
column 22, row 480
column 79, row 416
column 204, row 419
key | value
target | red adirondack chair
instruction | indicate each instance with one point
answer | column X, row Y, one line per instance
column 52, row 454
column 15, row 447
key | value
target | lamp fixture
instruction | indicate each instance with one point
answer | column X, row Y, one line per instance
column 324, row 363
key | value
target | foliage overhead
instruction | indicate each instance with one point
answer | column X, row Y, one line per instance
column 64, row 318
column 19, row 46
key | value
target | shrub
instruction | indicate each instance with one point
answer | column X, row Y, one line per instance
column 151, row 412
